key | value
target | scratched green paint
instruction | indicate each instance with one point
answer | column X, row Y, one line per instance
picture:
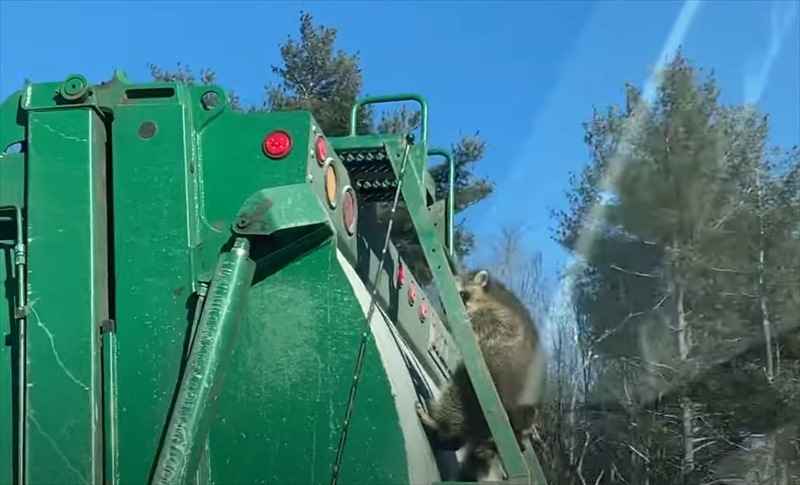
column 153, row 278
column 281, row 411
column 66, row 236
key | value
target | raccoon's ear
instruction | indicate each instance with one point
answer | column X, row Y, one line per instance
column 481, row 278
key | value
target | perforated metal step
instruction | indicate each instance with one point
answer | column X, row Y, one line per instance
column 371, row 172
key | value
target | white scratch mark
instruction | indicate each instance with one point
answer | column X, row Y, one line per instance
column 41, row 325
column 27, row 95
column 316, row 419
column 56, row 448
column 332, row 423
column 66, row 137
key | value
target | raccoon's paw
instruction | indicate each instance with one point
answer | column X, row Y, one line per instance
column 441, row 437
column 426, row 419
column 530, row 433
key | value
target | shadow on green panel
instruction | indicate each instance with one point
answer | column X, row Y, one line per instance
column 9, row 383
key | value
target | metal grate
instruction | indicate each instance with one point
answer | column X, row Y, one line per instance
column 371, row 172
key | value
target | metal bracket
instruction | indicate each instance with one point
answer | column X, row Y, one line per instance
column 270, row 210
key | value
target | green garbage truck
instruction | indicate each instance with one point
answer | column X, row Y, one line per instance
column 198, row 295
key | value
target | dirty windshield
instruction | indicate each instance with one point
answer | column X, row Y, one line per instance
column 629, row 170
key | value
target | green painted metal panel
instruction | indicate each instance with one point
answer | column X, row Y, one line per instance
column 68, row 301
column 280, row 413
column 12, row 180
column 153, row 280
column 233, row 162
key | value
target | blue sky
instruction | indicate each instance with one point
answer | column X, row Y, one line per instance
column 524, row 73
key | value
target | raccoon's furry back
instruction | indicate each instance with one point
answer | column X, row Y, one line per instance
column 506, row 333
column 509, row 343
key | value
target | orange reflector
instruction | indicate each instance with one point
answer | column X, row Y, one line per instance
column 331, row 185
column 349, row 210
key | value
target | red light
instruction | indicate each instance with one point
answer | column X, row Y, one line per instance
column 412, row 294
column 423, row 311
column 401, row 275
column 349, row 211
column 321, row 150
column 277, row 144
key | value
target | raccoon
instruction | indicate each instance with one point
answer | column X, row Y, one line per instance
column 509, row 341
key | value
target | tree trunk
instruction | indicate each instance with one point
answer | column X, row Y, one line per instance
column 762, row 297
column 687, row 407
